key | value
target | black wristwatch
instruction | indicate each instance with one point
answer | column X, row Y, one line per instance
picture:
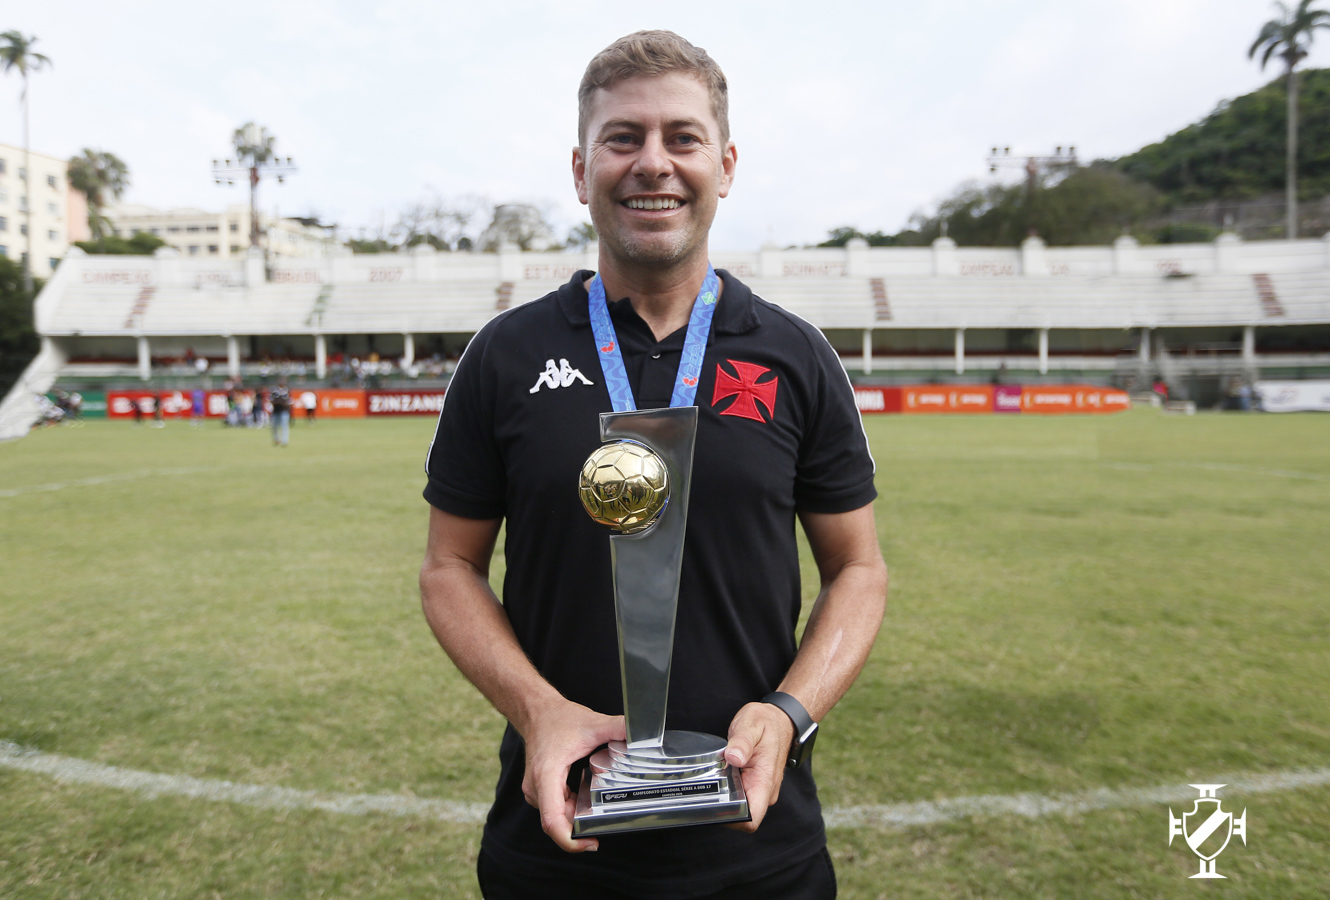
column 805, row 729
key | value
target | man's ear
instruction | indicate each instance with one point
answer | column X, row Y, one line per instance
column 579, row 175
column 728, row 161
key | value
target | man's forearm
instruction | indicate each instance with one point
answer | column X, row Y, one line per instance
column 469, row 623
column 838, row 638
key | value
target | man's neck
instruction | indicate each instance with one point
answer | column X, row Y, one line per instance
column 662, row 297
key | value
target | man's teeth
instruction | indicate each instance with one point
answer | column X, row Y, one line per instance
column 653, row 203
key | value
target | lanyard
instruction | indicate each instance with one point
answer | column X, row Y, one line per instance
column 694, row 345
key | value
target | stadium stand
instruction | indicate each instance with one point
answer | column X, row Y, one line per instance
column 1119, row 313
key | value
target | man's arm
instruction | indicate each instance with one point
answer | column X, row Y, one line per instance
column 471, row 626
column 841, row 629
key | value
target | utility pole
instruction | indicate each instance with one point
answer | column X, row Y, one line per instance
column 254, row 159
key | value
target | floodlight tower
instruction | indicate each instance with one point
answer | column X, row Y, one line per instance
column 1033, row 165
column 256, row 158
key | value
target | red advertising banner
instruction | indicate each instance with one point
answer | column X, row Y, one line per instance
column 175, row 404
column 947, row 398
column 411, row 402
column 877, row 399
column 1072, row 398
column 333, row 403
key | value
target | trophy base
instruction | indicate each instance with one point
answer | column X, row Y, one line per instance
column 642, row 789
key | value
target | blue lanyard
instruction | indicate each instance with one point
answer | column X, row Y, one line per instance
column 694, row 345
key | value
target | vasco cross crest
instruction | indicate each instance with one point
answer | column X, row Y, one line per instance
column 1207, row 828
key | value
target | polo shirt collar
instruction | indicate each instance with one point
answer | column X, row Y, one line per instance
column 736, row 313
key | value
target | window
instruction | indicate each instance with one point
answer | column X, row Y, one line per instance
column 193, row 249
column 235, row 248
column 4, row 224
column 4, row 194
column 50, row 208
column 212, row 248
column 22, row 174
column 52, row 236
column 172, row 229
column 4, row 251
column 23, row 203
column 192, row 229
column 212, row 229
column 54, row 262
column 23, row 228
column 3, row 168
column 234, row 227
column 50, row 179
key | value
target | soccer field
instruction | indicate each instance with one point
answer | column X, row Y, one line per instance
column 1083, row 604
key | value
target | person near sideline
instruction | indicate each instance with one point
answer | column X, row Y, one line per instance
column 779, row 440
column 280, row 398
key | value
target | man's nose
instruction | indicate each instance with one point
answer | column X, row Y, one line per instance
column 653, row 162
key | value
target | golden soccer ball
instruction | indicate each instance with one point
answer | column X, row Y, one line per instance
column 624, row 485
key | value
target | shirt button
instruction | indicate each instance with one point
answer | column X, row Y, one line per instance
column 656, row 355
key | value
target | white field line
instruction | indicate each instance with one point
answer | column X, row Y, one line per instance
column 115, row 477
column 103, row 479
column 897, row 815
column 152, row 784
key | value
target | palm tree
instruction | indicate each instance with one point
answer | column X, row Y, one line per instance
column 1289, row 37
column 254, row 146
column 17, row 53
column 95, row 174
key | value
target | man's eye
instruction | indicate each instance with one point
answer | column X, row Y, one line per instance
column 622, row 139
column 686, row 139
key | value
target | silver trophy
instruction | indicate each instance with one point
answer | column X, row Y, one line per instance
column 637, row 483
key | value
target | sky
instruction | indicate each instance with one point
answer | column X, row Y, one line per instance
column 843, row 113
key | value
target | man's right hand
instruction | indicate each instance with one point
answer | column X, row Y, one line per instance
column 556, row 737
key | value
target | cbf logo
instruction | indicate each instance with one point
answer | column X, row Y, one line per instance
column 1207, row 828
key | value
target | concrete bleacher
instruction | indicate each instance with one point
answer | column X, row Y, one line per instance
column 157, row 306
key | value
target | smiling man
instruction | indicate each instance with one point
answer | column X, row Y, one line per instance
column 778, row 439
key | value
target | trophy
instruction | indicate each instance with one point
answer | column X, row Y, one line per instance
column 637, row 483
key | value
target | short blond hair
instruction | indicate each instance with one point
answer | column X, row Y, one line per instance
column 652, row 53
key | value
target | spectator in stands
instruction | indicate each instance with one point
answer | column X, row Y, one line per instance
column 281, row 414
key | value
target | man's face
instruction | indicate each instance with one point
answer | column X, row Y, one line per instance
column 653, row 169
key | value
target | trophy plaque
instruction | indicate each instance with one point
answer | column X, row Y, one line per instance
column 637, row 483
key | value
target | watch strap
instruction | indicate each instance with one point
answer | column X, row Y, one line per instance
column 805, row 729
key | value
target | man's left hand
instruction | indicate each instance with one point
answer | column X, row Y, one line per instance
column 759, row 745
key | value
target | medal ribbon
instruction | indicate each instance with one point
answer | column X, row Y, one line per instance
column 694, row 345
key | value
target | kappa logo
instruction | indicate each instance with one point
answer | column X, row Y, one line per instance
column 1207, row 828
column 746, row 391
column 562, row 375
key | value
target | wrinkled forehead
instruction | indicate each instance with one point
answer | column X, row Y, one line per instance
column 647, row 101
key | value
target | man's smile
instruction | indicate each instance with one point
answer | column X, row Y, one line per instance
column 653, row 203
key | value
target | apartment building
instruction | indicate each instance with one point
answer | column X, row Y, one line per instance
column 225, row 235
column 59, row 214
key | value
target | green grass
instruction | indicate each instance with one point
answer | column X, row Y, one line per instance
column 1076, row 603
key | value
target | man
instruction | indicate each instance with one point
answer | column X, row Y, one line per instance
column 778, row 437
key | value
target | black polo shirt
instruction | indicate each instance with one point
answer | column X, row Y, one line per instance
column 778, row 432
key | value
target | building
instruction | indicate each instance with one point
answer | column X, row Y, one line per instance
column 59, row 214
column 223, row 235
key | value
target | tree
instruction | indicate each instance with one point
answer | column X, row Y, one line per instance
column 1289, row 37
column 17, row 53
column 581, row 236
column 254, row 147
column 141, row 244
column 18, row 339
column 443, row 224
column 522, row 224
column 96, row 173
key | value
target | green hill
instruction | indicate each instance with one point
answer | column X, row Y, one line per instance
column 1238, row 150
